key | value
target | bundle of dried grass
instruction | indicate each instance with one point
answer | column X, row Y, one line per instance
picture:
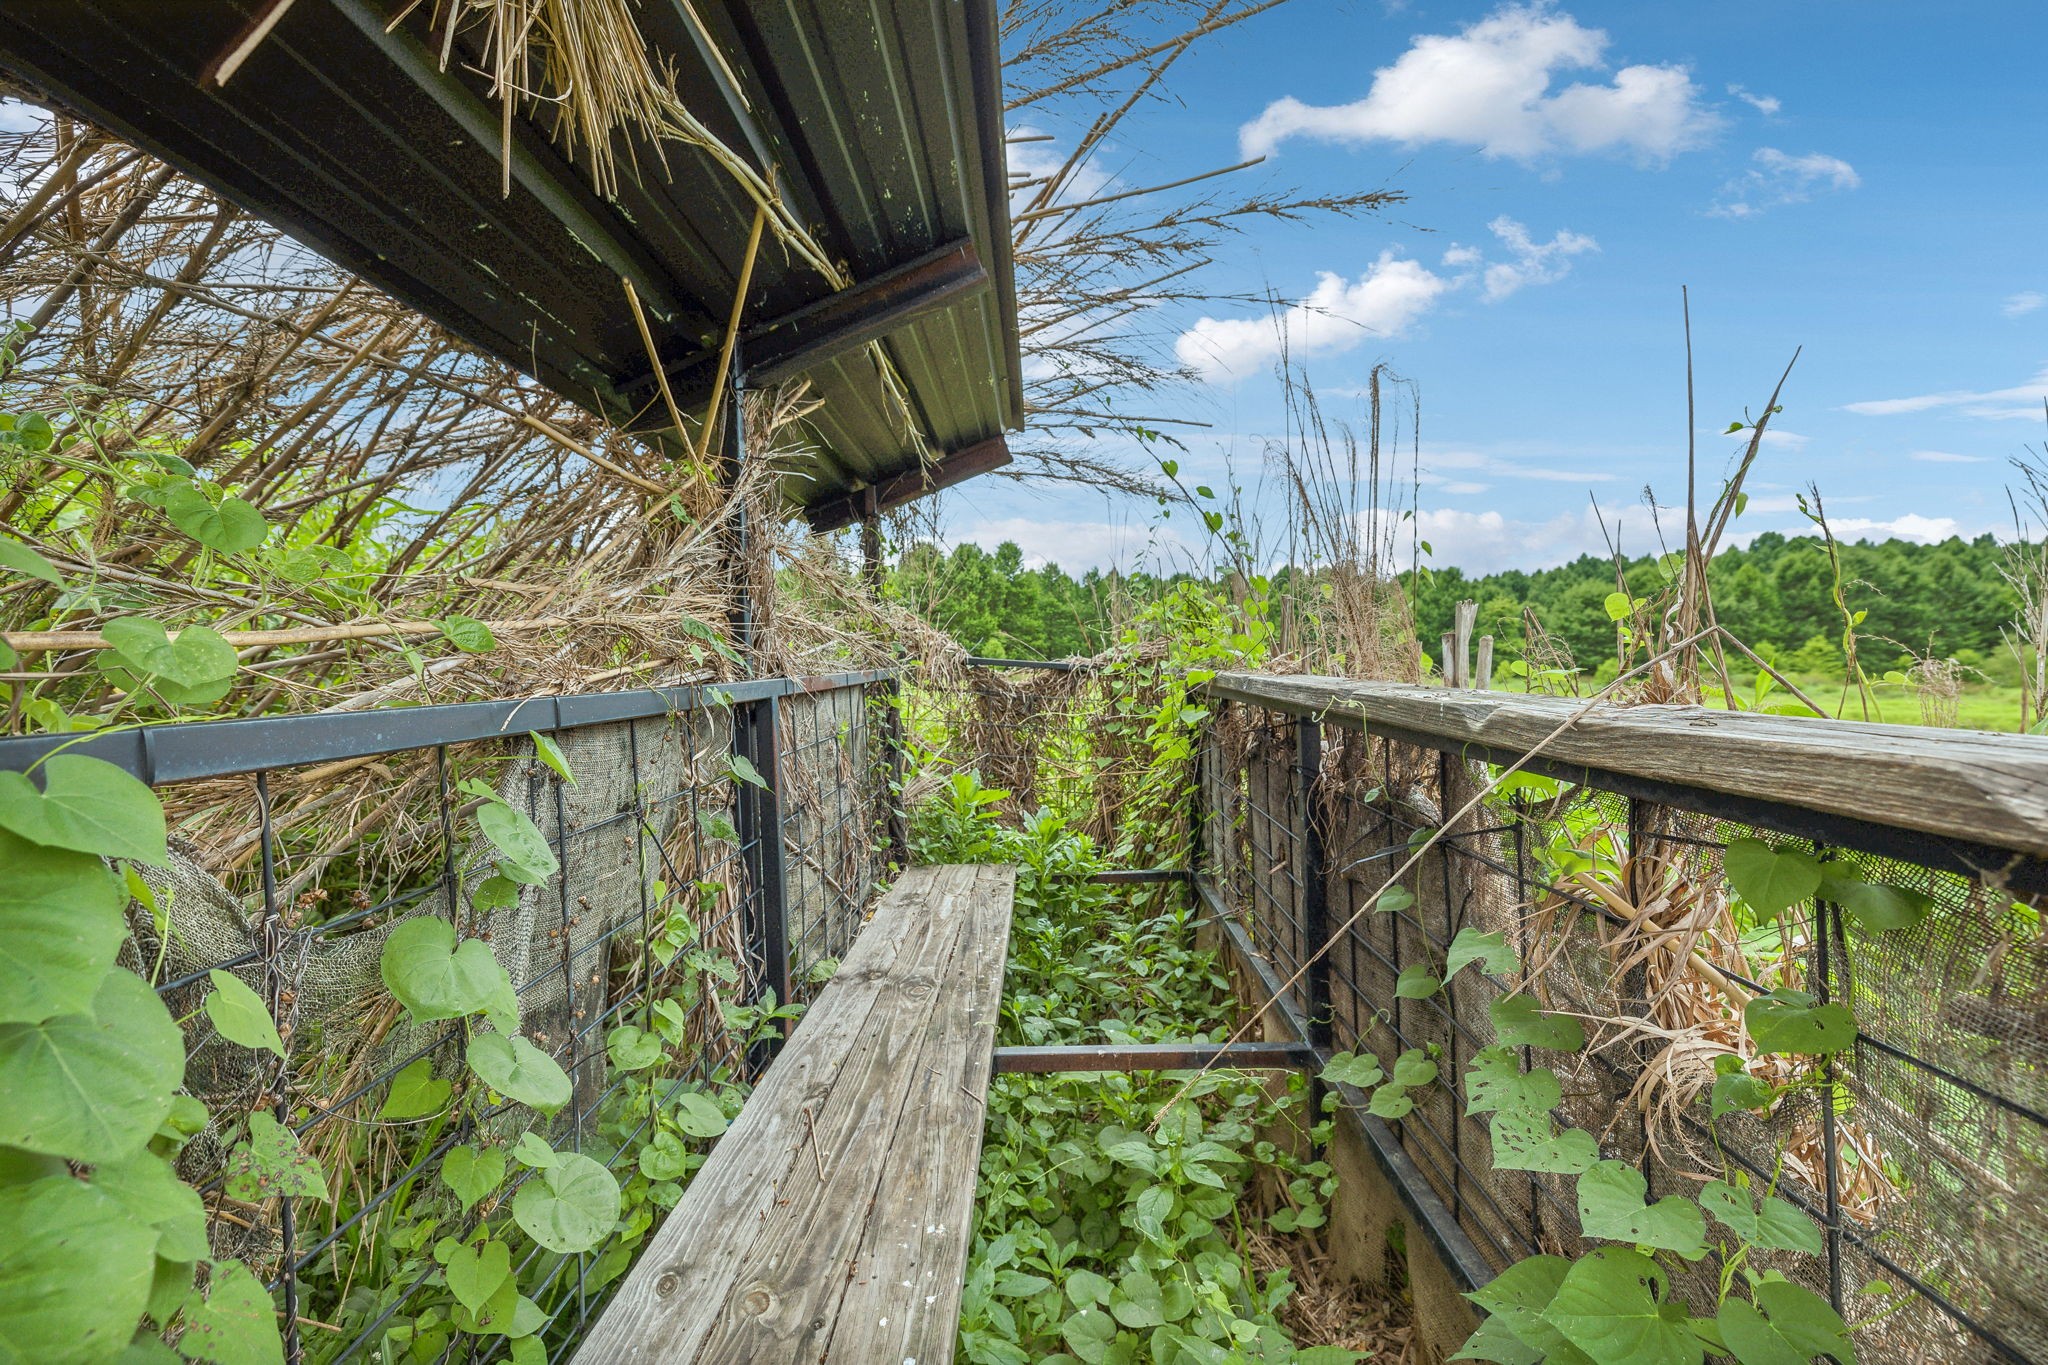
column 1327, row 1309
column 585, row 64
column 405, row 479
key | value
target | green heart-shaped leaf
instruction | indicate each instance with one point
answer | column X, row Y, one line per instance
column 1359, row 1069
column 568, row 1207
column 1390, row 1102
column 59, row 933
column 1417, row 982
column 434, row 979
column 229, row 528
column 240, row 1014
column 698, row 1115
column 632, row 1049
column 1413, row 1067
column 473, row 1173
column 1528, row 1142
column 519, row 1071
column 468, row 634
column 199, row 659
column 76, row 1272
column 1772, row 880
column 87, row 805
column 92, row 1087
column 1490, row 951
column 523, row 852
column 237, row 1323
column 1517, row 1022
column 1794, row 1022
column 416, row 1092
column 1608, row 1305
column 1495, row 1081
column 1801, row 1326
column 1611, row 1205
column 271, row 1162
column 1777, row 1224
column 476, row 1273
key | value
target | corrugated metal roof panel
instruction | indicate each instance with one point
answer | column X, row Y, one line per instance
column 880, row 120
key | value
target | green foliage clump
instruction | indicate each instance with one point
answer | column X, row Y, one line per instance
column 1113, row 1208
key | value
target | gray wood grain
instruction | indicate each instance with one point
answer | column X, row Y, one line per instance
column 881, row 1087
column 1966, row 784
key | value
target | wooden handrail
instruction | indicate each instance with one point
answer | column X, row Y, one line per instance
column 1973, row 786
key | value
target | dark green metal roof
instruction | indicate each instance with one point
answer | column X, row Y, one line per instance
column 881, row 122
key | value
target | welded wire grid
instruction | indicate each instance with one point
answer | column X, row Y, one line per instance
column 838, row 770
column 1923, row 1161
column 663, row 854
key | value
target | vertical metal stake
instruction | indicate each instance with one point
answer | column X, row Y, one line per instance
column 1522, row 954
column 273, row 933
column 759, row 811
column 1315, row 889
column 731, row 461
column 894, row 756
column 1443, row 849
column 1826, row 923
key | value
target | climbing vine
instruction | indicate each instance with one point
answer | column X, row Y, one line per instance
column 1615, row 1304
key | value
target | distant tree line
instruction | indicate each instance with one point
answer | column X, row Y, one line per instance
column 1777, row 594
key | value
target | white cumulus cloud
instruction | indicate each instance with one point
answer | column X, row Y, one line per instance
column 1767, row 105
column 1777, row 178
column 1490, row 86
column 1392, row 295
column 1911, row 526
column 1946, row 457
column 1335, row 316
column 2019, row 401
column 1532, row 262
column 2020, row 304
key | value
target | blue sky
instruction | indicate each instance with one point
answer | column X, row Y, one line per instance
column 1863, row 180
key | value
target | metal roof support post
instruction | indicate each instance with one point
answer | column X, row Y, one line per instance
column 731, row 464
column 871, row 538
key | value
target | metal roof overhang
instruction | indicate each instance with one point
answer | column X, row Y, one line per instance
column 881, row 123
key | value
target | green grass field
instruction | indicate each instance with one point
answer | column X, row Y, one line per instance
column 1982, row 706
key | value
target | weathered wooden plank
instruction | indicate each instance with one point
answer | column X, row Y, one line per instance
column 1961, row 784
column 795, row 1231
column 903, row 1302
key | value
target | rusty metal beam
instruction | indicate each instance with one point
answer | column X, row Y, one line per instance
column 965, row 463
column 784, row 347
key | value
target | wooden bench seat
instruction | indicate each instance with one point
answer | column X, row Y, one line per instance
column 831, row 1222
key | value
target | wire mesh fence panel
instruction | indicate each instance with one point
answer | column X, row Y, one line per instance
column 837, row 771
column 607, row 875
column 1917, row 1151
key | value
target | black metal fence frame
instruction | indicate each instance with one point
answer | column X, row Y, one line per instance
column 1277, row 938
column 169, row 753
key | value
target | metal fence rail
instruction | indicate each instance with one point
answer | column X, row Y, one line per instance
column 1923, row 1161
column 719, row 845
